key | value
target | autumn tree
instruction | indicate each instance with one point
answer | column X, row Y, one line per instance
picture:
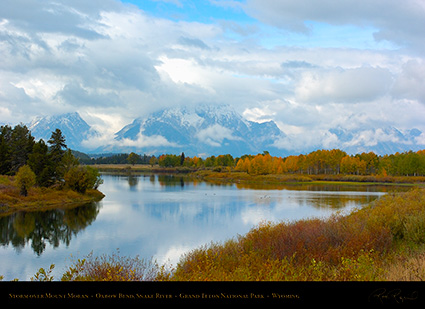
column 82, row 178
column 133, row 158
column 25, row 179
column 353, row 165
column 153, row 160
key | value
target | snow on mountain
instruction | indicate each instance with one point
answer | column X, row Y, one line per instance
column 73, row 127
column 207, row 130
column 381, row 141
column 200, row 130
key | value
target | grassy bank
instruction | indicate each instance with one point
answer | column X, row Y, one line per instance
column 227, row 175
column 40, row 198
column 384, row 241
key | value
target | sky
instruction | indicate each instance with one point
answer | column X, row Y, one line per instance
column 307, row 65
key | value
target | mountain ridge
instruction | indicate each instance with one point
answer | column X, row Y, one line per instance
column 203, row 129
column 206, row 130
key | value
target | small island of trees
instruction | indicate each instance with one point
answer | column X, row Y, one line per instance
column 25, row 163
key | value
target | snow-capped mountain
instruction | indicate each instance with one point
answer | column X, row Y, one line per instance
column 207, row 130
column 200, row 130
column 73, row 127
column 387, row 140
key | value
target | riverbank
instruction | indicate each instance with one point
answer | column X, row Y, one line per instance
column 383, row 241
column 229, row 175
column 40, row 198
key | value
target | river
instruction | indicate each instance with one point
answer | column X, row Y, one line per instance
column 161, row 217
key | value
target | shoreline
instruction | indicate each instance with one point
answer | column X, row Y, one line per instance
column 51, row 198
column 41, row 199
column 228, row 175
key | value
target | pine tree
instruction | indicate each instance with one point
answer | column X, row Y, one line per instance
column 182, row 157
column 57, row 143
column 21, row 144
column 5, row 137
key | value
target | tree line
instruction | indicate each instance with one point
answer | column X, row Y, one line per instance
column 46, row 165
column 327, row 162
column 120, row 158
column 334, row 162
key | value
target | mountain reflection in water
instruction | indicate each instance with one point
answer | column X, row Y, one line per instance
column 161, row 217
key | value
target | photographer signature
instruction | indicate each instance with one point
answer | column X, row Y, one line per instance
column 394, row 295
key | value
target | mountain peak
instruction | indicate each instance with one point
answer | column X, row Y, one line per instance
column 73, row 127
column 206, row 130
column 202, row 129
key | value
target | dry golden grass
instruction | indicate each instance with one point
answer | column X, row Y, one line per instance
column 410, row 268
column 39, row 198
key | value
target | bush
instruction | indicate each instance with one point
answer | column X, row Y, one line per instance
column 111, row 268
column 82, row 178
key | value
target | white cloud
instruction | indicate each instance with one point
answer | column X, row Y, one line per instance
column 363, row 84
column 259, row 114
column 420, row 140
column 372, row 138
column 142, row 141
column 410, row 82
column 215, row 135
column 302, row 138
column 397, row 21
column 146, row 141
column 106, row 59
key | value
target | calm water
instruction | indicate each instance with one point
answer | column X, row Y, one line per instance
column 162, row 217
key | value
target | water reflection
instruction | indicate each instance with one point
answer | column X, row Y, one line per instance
column 161, row 216
column 55, row 227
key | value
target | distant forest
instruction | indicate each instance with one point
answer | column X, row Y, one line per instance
column 327, row 162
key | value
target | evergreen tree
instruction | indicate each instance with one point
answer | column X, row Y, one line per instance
column 21, row 145
column 182, row 157
column 5, row 137
column 57, row 145
column 56, row 153
column 41, row 165
column 68, row 162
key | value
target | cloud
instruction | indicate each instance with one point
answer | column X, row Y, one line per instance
column 78, row 20
column 215, row 135
column 339, row 85
column 396, row 21
column 103, row 57
column 146, row 141
column 142, row 141
column 197, row 43
column 420, row 140
column 305, row 139
column 259, row 114
column 372, row 138
column 410, row 82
